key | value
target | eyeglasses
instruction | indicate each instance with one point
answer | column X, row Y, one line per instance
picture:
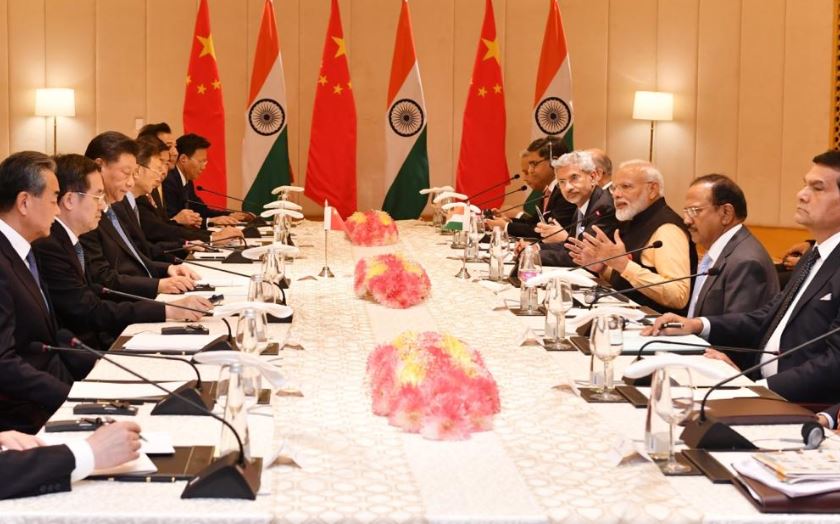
column 694, row 211
column 99, row 198
column 533, row 164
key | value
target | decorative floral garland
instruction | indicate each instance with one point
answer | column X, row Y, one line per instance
column 433, row 384
column 391, row 280
column 371, row 228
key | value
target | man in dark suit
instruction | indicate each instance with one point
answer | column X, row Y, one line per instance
column 577, row 178
column 113, row 258
column 540, row 177
column 32, row 384
column 179, row 186
column 31, row 468
column 62, row 261
column 808, row 307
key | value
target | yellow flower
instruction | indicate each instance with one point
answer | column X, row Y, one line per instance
column 459, row 353
column 375, row 269
column 385, row 218
column 357, row 218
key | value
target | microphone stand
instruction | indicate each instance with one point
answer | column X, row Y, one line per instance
column 598, row 296
column 230, row 476
column 517, row 190
column 494, row 186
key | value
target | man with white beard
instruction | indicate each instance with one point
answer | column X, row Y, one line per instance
column 638, row 192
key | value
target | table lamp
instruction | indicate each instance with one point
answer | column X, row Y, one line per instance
column 55, row 102
column 654, row 106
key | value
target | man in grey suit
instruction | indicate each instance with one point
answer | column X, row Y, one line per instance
column 715, row 209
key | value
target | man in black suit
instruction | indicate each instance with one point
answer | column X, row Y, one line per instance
column 808, row 307
column 179, row 186
column 540, row 177
column 31, row 468
column 62, row 261
column 113, row 258
column 32, row 384
column 577, row 178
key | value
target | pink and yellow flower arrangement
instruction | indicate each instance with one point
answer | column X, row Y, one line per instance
column 371, row 228
column 433, row 384
column 391, row 280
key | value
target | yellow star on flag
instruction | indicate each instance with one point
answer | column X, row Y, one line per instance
column 201, row 89
column 337, row 89
column 340, row 43
column 217, row 84
column 189, row 79
column 349, row 85
column 492, row 50
column 497, row 89
column 482, row 91
column 207, row 46
column 322, row 80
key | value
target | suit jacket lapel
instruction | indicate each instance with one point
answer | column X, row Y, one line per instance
column 23, row 274
column 827, row 270
column 108, row 228
column 728, row 249
column 63, row 240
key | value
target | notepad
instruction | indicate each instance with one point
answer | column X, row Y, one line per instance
column 85, row 390
column 152, row 443
column 168, row 343
column 142, row 465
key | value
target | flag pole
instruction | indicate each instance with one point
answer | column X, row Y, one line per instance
column 325, row 271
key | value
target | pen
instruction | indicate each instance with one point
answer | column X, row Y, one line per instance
column 675, row 325
column 109, row 420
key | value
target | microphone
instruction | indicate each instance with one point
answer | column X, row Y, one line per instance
column 494, row 186
column 280, row 285
column 523, row 187
column 706, row 433
column 217, row 208
column 205, row 190
column 169, row 405
column 712, row 272
column 693, row 345
column 208, row 246
column 488, row 214
column 229, row 476
column 216, row 345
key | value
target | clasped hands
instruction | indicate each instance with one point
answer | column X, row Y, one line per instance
column 591, row 249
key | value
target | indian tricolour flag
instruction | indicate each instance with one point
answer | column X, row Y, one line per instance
column 265, row 146
column 552, row 114
column 406, row 159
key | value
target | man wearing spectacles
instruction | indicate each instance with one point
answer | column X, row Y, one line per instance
column 62, row 260
column 639, row 196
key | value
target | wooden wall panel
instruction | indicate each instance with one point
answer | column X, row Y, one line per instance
column 71, row 62
column 677, row 73
column 4, row 79
column 751, row 78
column 760, row 102
column 805, row 122
column 632, row 67
column 27, row 72
column 121, row 65
column 718, row 62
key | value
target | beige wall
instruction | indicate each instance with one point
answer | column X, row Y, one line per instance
column 752, row 78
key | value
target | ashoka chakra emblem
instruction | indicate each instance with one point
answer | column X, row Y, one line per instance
column 406, row 117
column 553, row 116
column 266, row 116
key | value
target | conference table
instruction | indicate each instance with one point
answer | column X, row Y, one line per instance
column 550, row 457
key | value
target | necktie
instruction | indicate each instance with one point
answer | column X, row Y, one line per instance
column 546, row 198
column 136, row 212
column 116, row 223
column 33, row 268
column 705, row 263
column 580, row 225
column 790, row 293
column 80, row 254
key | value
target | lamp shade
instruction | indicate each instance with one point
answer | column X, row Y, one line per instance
column 55, row 102
column 653, row 105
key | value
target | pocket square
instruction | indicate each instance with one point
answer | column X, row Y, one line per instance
column 826, row 297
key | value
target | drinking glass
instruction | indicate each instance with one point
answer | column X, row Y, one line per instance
column 558, row 301
column 608, row 341
column 530, row 266
column 499, row 248
column 673, row 403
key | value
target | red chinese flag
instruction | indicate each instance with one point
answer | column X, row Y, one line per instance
column 482, row 162
column 331, row 168
column 204, row 110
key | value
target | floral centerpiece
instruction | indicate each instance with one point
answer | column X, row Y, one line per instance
column 371, row 228
column 433, row 384
column 391, row 280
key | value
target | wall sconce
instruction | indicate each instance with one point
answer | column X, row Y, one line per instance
column 653, row 106
column 55, row 102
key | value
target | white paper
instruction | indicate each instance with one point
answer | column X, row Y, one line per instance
column 200, row 255
column 118, row 390
column 140, row 466
column 158, row 342
column 717, row 394
column 751, row 468
column 152, row 443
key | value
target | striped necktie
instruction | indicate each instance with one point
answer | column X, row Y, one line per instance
column 116, row 223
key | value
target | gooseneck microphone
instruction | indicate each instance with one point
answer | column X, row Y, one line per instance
column 529, row 201
column 221, row 345
column 169, row 405
column 228, row 271
column 519, row 189
column 494, row 186
column 229, row 476
column 705, row 432
column 653, row 245
column 598, row 296
column 217, row 193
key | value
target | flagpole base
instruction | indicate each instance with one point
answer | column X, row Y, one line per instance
column 463, row 274
column 326, row 273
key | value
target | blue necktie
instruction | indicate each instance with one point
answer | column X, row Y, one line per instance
column 33, row 268
column 80, row 254
column 698, row 283
column 116, row 223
